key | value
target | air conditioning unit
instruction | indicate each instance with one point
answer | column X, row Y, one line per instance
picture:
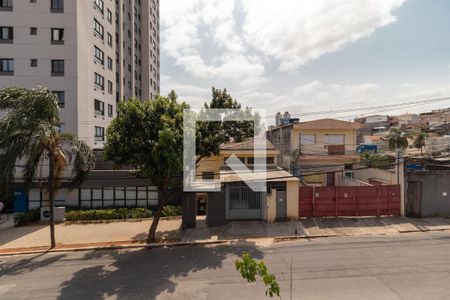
column 59, row 214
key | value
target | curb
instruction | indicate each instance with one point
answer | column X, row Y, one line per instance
column 39, row 250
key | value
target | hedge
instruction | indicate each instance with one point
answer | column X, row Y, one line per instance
column 24, row 218
column 171, row 211
column 108, row 214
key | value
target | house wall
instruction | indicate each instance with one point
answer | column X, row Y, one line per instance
column 320, row 146
column 364, row 175
column 271, row 206
column 435, row 192
column 292, row 199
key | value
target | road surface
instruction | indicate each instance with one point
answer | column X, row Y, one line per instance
column 408, row 266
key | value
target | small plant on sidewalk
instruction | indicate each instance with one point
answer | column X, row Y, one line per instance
column 250, row 268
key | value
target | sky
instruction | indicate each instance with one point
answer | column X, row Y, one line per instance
column 308, row 55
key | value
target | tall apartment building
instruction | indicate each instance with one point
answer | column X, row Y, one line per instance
column 90, row 53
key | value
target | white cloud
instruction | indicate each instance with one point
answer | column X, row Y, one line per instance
column 291, row 32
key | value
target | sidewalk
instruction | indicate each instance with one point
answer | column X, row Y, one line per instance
column 39, row 235
column 126, row 233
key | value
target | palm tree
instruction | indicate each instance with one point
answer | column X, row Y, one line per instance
column 419, row 141
column 398, row 139
column 30, row 134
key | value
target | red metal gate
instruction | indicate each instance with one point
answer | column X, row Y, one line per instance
column 335, row 201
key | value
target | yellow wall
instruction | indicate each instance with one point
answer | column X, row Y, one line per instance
column 292, row 199
column 271, row 206
column 214, row 163
column 350, row 139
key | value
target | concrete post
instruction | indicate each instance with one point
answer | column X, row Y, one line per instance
column 189, row 206
column 400, row 172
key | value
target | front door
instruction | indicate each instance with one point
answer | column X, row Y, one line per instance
column 281, row 205
column 414, row 200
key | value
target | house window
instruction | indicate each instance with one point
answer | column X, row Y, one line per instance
column 110, row 110
column 57, row 67
column 99, row 133
column 98, row 29
column 307, row 139
column 110, row 63
column 33, row 62
column 57, row 36
column 6, row 35
column 208, row 175
column 99, row 5
column 6, row 5
column 110, row 87
column 56, row 6
column 109, row 15
column 99, row 107
column 99, row 55
column 6, row 66
column 61, row 98
column 99, row 81
column 335, row 139
column 33, row 31
column 270, row 160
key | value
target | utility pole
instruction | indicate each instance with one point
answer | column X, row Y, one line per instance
column 400, row 170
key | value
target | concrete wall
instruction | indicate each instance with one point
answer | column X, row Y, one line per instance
column 216, row 209
column 292, row 199
column 435, row 191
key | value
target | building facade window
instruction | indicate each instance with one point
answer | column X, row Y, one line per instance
column 99, row 133
column 110, row 110
column 109, row 39
column 335, row 139
column 110, row 87
column 57, row 36
column 109, row 16
column 6, row 5
column 33, row 62
column 33, row 31
column 98, row 29
column 99, row 81
column 6, row 35
column 110, row 63
column 99, row 55
column 61, row 98
column 57, row 67
column 6, row 66
column 99, row 107
column 57, row 6
column 99, row 5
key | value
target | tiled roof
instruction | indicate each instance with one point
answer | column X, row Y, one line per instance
column 327, row 124
column 247, row 145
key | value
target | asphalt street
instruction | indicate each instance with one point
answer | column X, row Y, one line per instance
column 407, row 266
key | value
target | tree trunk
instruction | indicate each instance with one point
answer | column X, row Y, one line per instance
column 152, row 231
column 51, row 199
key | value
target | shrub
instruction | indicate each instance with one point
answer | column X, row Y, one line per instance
column 171, row 210
column 107, row 214
column 31, row 216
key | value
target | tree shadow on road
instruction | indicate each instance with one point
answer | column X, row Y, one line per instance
column 145, row 274
column 29, row 264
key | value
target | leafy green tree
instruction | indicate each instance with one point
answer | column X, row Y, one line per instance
column 250, row 269
column 29, row 133
column 149, row 137
column 376, row 160
column 398, row 139
column 419, row 141
column 210, row 135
